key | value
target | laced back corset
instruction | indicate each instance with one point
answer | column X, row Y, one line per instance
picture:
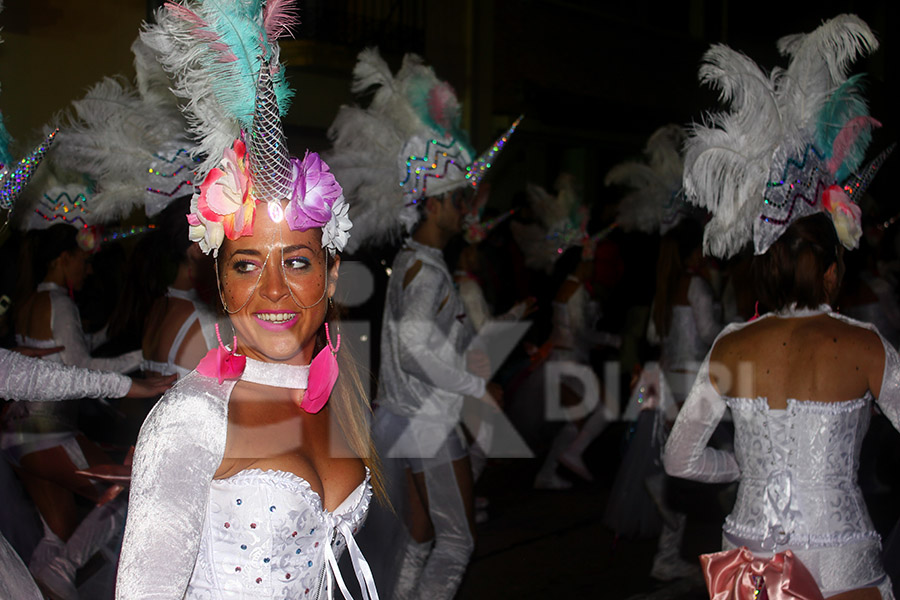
column 265, row 535
column 798, row 473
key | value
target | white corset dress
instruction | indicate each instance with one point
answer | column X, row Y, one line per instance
column 797, row 470
column 802, row 461
column 266, row 535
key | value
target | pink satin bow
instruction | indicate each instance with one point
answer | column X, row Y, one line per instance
column 737, row 575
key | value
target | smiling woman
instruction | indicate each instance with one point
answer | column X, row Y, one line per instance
column 259, row 463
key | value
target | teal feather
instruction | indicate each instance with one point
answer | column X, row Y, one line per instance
column 235, row 60
column 6, row 158
column 846, row 103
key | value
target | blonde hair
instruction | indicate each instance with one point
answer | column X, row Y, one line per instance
column 350, row 405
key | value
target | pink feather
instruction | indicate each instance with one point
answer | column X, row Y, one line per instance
column 442, row 104
column 847, row 137
column 279, row 17
column 186, row 14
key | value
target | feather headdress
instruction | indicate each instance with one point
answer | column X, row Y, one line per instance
column 407, row 145
column 789, row 142
column 655, row 203
column 223, row 55
column 130, row 141
column 214, row 50
column 562, row 223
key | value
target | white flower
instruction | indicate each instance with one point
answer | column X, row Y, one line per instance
column 209, row 234
column 336, row 231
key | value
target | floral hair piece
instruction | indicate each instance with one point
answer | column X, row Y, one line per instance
column 226, row 205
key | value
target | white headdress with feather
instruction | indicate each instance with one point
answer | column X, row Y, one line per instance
column 129, row 140
column 791, row 144
column 224, row 57
column 562, row 222
column 655, row 203
column 405, row 146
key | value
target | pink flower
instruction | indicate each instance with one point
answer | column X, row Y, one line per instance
column 224, row 194
column 88, row 239
column 315, row 192
column 845, row 214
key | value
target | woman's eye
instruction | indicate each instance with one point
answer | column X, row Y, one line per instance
column 296, row 264
column 244, row 266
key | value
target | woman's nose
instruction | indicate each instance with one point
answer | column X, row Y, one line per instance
column 272, row 285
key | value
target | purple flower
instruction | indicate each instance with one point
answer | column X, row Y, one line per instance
column 315, row 191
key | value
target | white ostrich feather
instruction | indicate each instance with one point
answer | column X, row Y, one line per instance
column 130, row 141
column 367, row 144
column 729, row 155
column 562, row 223
column 654, row 182
column 212, row 127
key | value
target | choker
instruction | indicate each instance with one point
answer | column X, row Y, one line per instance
column 280, row 375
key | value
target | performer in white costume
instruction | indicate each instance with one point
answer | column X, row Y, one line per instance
column 684, row 321
column 180, row 328
column 43, row 381
column 800, row 380
column 560, row 243
column 251, row 475
column 405, row 164
column 26, row 377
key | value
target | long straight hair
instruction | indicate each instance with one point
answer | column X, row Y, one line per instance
column 349, row 402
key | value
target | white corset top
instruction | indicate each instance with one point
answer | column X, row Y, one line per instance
column 802, row 462
column 266, row 535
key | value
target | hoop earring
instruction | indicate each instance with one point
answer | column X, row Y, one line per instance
column 222, row 362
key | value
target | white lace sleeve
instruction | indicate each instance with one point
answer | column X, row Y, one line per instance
column 180, row 446
column 67, row 331
column 705, row 310
column 23, row 377
column 889, row 398
column 687, row 454
column 420, row 338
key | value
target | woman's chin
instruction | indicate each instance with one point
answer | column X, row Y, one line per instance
column 290, row 355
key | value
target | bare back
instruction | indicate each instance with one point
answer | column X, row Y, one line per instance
column 34, row 319
column 161, row 331
column 818, row 358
